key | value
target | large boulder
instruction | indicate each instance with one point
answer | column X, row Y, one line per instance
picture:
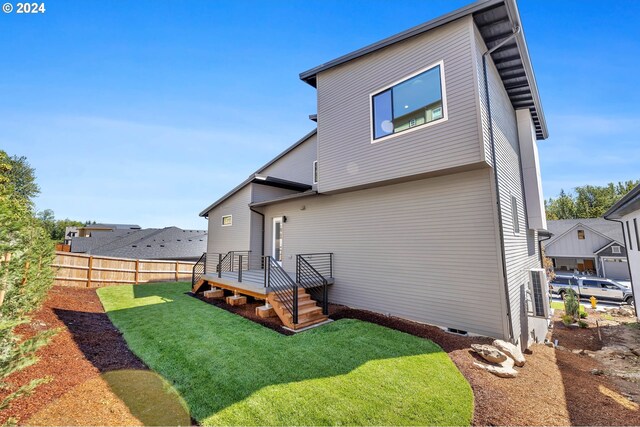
column 489, row 353
column 510, row 350
column 501, row 371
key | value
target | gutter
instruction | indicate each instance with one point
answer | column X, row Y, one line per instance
column 549, row 236
column 516, row 31
column 626, row 246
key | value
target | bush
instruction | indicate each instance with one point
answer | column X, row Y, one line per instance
column 583, row 324
column 568, row 319
column 583, row 314
column 571, row 304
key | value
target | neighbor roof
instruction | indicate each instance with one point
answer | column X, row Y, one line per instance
column 496, row 20
column 629, row 203
column 148, row 243
column 608, row 229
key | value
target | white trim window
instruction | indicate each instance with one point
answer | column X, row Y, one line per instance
column 514, row 215
column 315, row 172
column 615, row 249
column 415, row 101
column 227, row 220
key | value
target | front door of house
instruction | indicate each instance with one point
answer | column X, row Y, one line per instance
column 277, row 240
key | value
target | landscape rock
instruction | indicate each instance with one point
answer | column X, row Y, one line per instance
column 597, row 372
column 510, row 350
column 500, row 371
column 489, row 353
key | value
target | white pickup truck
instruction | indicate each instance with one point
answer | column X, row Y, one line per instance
column 588, row 286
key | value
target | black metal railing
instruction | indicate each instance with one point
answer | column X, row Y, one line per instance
column 233, row 261
column 321, row 262
column 313, row 272
column 279, row 282
column 199, row 270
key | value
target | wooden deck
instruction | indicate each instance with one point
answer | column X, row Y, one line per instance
column 249, row 286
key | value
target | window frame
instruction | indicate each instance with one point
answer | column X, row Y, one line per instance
column 314, row 172
column 230, row 220
column 635, row 226
column 445, row 109
column 615, row 249
column 629, row 234
column 581, row 232
column 515, row 215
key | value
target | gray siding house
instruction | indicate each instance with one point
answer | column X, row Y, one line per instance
column 421, row 180
column 592, row 245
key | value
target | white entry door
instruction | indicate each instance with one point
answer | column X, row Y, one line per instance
column 277, row 240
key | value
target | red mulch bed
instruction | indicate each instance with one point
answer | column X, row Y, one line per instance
column 87, row 345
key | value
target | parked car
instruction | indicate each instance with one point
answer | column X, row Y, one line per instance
column 588, row 286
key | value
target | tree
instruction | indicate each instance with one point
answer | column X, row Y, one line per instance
column 26, row 255
column 56, row 227
column 589, row 201
column 22, row 177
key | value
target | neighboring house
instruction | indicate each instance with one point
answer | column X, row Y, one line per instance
column 592, row 245
column 90, row 229
column 421, row 179
column 626, row 212
column 170, row 243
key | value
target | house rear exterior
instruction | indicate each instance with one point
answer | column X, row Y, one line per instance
column 421, row 179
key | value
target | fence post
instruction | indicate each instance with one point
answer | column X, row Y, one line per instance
column 137, row 270
column 177, row 270
column 89, row 272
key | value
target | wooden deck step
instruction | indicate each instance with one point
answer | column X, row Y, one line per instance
column 308, row 311
column 200, row 285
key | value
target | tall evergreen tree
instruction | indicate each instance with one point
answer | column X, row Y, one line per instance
column 26, row 255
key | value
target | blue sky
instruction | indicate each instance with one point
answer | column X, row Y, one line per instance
column 146, row 112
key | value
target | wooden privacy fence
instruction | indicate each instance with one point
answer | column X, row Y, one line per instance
column 89, row 271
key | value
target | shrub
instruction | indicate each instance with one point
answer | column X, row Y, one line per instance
column 583, row 314
column 571, row 304
column 568, row 319
column 583, row 324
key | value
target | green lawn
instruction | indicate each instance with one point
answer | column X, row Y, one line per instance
column 231, row 371
column 558, row 305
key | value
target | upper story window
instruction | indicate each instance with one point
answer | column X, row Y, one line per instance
column 413, row 102
column 227, row 220
column 615, row 250
column 581, row 234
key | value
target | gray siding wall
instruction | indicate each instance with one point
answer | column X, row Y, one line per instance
column 297, row 165
column 609, row 251
column 521, row 249
column 235, row 237
column 346, row 156
column 423, row 250
column 570, row 246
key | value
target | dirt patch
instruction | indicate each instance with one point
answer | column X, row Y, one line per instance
column 81, row 361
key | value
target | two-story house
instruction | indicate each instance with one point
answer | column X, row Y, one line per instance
column 419, row 193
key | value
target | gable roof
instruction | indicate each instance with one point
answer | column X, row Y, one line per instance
column 148, row 243
column 496, row 20
column 629, row 203
column 256, row 175
column 607, row 229
column 611, row 244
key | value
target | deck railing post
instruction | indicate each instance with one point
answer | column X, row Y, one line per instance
column 240, row 268
column 295, row 303
column 233, row 254
column 325, row 298
column 219, row 265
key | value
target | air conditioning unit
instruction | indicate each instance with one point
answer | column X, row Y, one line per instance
column 539, row 289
